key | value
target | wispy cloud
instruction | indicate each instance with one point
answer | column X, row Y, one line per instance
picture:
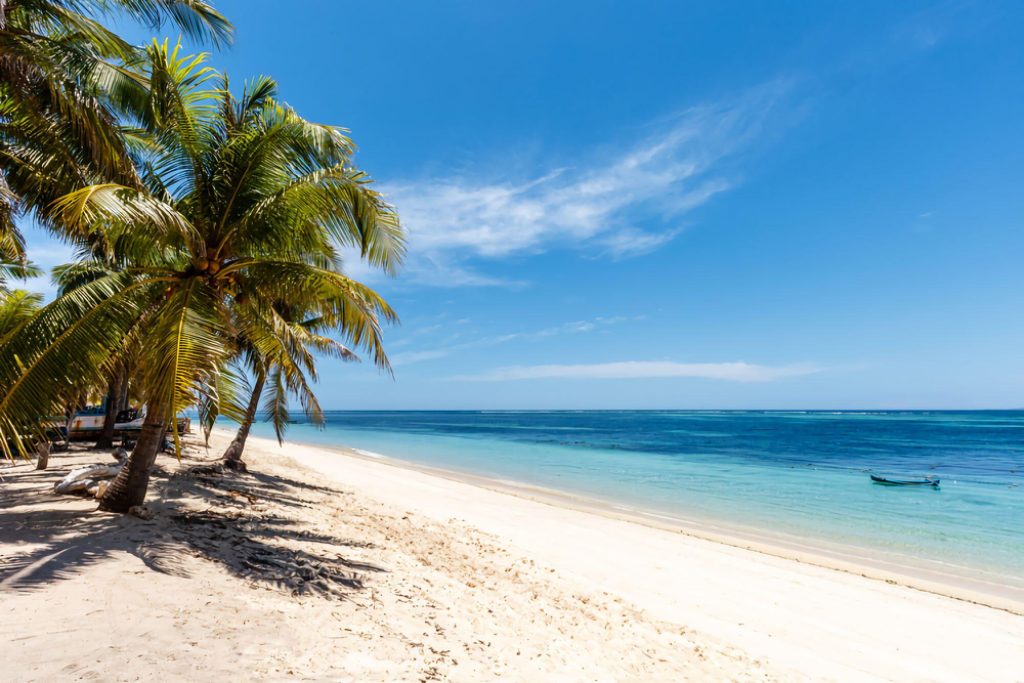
column 732, row 372
column 574, row 327
column 630, row 242
column 595, row 205
column 412, row 357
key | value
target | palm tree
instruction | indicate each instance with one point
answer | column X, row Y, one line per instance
column 289, row 368
column 70, row 276
column 243, row 205
column 16, row 307
column 64, row 81
column 18, row 268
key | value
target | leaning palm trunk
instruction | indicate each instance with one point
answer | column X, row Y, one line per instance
column 129, row 487
column 106, row 439
column 233, row 455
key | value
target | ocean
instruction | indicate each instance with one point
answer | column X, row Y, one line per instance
column 795, row 476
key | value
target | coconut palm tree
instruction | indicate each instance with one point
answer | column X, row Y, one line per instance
column 287, row 370
column 70, row 276
column 16, row 307
column 16, row 267
column 244, row 204
column 64, row 81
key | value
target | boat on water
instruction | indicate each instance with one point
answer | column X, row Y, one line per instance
column 886, row 481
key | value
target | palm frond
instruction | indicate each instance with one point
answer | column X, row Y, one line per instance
column 187, row 349
column 69, row 342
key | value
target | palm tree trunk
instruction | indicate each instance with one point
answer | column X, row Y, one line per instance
column 128, row 488
column 122, row 397
column 106, row 439
column 42, row 452
column 233, row 454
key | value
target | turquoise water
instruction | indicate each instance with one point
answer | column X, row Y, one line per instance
column 800, row 474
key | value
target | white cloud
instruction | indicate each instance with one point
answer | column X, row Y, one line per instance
column 594, row 206
column 574, row 327
column 410, row 357
column 733, row 372
column 630, row 242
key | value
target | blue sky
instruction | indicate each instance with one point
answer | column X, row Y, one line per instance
column 676, row 205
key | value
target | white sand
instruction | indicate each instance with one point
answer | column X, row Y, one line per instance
column 821, row 622
column 238, row 578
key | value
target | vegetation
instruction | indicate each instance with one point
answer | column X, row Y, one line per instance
column 210, row 227
column 15, row 308
column 64, row 80
column 287, row 370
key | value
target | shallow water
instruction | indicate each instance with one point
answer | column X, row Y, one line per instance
column 802, row 474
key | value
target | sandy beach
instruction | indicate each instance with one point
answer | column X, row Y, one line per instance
column 318, row 565
column 614, row 342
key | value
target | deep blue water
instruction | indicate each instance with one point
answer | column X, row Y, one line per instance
column 803, row 474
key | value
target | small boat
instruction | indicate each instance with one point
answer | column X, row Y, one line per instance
column 885, row 481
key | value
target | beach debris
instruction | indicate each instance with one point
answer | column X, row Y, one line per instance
column 140, row 511
column 84, row 478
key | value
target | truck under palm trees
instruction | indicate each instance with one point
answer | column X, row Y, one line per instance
column 88, row 423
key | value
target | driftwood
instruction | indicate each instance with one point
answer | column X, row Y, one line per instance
column 97, row 489
column 91, row 478
column 84, row 478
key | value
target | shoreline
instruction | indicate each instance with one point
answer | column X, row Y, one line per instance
column 792, row 615
column 790, row 547
column 316, row 565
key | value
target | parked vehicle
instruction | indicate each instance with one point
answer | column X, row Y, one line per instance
column 88, row 423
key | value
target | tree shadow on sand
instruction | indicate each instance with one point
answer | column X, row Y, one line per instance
column 247, row 523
